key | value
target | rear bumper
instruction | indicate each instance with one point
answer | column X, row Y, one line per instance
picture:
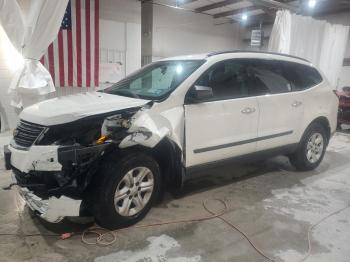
column 52, row 210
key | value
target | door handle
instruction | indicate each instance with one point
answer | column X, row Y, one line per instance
column 297, row 104
column 248, row 110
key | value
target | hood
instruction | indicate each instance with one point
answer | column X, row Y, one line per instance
column 74, row 107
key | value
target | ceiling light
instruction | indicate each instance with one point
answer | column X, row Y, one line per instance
column 244, row 17
column 312, row 3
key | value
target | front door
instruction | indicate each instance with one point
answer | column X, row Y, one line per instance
column 224, row 126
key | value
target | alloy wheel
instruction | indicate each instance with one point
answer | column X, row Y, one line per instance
column 134, row 191
column 315, row 147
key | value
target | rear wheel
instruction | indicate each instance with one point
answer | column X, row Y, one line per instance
column 311, row 149
column 128, row 189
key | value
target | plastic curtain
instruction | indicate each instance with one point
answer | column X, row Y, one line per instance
column 318, row 41
column 31, row 37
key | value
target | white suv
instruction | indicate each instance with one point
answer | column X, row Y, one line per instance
column 109, row 154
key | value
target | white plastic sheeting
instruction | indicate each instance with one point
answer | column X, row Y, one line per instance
column 31, row 33
column 318, row 41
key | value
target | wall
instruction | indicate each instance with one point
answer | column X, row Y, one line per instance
column 124, row 30
column 120, row 44
column 179, row 32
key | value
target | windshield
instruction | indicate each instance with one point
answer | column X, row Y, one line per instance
column 156, row 80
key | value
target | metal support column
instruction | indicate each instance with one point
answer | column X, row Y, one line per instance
column 146, row 32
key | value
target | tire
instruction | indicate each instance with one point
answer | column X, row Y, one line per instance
column 308, row 155
column 122, row 178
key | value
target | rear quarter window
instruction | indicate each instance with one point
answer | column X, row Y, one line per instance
column 301, row 76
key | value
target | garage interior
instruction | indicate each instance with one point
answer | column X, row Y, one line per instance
column 258, row 211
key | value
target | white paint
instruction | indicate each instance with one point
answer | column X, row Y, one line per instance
column 38, row 158
column 166, row 118
column 156, row 251
column 70, row 108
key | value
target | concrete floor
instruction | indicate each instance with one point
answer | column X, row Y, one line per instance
column 268, row 200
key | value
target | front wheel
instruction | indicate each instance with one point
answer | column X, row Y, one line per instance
column 128, row 188
column 311, row 149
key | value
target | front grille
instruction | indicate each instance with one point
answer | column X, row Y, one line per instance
column 26, row 133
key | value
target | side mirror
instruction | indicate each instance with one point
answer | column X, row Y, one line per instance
column 200, row 93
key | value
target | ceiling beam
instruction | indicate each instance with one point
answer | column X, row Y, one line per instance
column 255, row 20
column 236, row 11
column 268, row 11
column 275, row 4
column 217, row 5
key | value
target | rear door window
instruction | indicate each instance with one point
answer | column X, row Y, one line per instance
column 267, row 77
column 301, row 76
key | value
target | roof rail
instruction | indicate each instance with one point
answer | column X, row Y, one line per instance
column 257, row 52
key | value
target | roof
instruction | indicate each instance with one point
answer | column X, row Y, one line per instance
column 257, row 52
column 227, row 52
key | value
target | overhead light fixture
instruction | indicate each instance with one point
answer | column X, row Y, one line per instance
column 312, row 3
column 244, row 17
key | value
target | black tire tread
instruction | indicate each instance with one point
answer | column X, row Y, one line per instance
column 298, row 159
column 110, row 173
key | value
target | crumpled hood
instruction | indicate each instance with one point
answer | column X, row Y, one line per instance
column 74, row 107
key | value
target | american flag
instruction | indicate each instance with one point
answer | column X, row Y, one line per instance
column 73, row 58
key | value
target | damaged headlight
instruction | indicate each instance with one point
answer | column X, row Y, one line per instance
column 89, row 130
column 114, row 123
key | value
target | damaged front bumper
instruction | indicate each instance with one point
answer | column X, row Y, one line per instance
column 53, row 209
column 53, row 180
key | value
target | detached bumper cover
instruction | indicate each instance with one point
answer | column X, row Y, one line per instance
column 52, row 210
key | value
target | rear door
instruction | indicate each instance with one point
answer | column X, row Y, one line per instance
column 226, row 125
column 281, row 111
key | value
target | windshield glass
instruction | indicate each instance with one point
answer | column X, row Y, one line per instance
column 156, row 80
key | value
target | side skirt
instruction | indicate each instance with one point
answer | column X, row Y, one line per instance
column 194, row 171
